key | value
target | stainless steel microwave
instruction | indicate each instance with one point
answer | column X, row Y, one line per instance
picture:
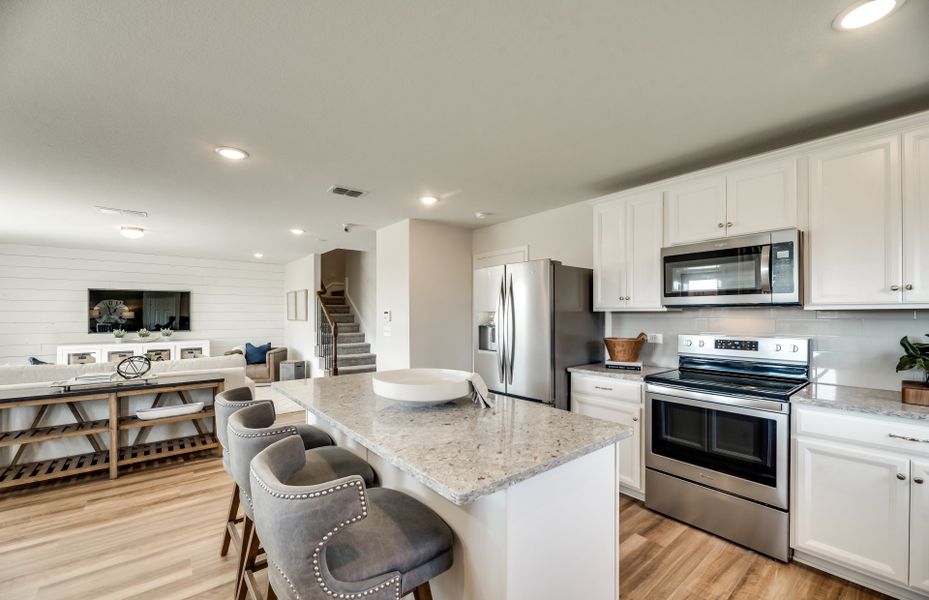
column 762, row 269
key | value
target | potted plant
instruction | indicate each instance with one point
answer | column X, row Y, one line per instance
column 916, row 357
column 166, row 331
column 119, row 333
column 144, row 333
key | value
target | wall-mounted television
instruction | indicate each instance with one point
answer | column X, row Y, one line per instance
column 133, row 310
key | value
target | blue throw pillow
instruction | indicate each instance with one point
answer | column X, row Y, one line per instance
column 35, row 361
column 256, row 355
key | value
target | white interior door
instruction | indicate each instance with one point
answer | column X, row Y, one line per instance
column 855, row 223
column 695, row 210
column 852, row 507
column 762, row 197
column 916, row 217
column 919, row 525
column 610, row 256
column 643, row 239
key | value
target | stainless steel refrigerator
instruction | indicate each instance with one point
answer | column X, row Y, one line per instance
column 533, row 320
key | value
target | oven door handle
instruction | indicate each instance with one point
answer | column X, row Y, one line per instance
column 746, row 406
column 764, row 269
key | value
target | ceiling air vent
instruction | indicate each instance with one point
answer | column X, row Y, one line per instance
column 340, row 190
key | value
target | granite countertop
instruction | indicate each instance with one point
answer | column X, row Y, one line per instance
column 460, row 451
column 885, row 403
column 600, row 370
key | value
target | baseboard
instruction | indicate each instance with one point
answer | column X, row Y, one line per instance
column 634, row 494
column 874, row 583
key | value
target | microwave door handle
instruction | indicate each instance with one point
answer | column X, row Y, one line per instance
column 501, row 331
column 764, row 269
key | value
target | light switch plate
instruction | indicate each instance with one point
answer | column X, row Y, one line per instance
column 655, row 338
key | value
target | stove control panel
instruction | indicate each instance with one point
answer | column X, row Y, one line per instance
column 794, row 350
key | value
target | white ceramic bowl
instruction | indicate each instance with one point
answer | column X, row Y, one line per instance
column 422, row 386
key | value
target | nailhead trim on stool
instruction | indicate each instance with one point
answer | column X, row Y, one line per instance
column 266, row 433
column 319, row 547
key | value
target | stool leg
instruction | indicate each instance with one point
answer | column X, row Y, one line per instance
column 423, row 592
column 249, row 554
column 231, row 519
column 247, row 529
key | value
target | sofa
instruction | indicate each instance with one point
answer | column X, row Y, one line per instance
column 268, row 371
column 231, row 368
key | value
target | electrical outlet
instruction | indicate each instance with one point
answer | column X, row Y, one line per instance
column 655, row 338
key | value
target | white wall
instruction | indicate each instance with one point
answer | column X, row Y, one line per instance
column 361, row 273
column 563, row 234
column 857, row 348
column 43, row 297
column 440, row 296
column 300, row 336
column 393, row 294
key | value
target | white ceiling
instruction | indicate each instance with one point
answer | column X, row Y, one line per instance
column 509, row 107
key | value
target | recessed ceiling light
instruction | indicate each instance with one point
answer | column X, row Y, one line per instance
column 428, row 200
column 481, row 214
column 297, row 231
column 258, row 255
column 133, row 233
column 865, row 12
column 231, row 153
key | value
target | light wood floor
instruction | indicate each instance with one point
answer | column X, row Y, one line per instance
column 155, row 535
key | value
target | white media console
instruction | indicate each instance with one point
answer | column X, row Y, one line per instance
column 163, row 349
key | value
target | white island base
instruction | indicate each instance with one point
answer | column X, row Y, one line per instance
column 554, row 536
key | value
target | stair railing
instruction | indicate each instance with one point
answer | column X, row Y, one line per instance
column 327, row 335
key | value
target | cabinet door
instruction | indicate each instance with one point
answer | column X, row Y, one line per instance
column 919, row 526
column 855, row 223
column 629, row 462
column 761, row 197
column 610, row 256
column 916, row 217
column 644, row 231
column 852, row 508
column 695, row 210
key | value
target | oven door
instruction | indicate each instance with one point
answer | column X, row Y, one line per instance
column 729, row 444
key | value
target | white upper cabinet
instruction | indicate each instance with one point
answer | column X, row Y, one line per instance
column 761, row 197
column 695, row 210
column 916, row 217
column 855, row 223
column 627, row 253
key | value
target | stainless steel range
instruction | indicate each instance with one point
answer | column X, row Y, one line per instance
column 717, row 451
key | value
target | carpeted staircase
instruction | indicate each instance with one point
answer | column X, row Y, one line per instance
column 354, row 353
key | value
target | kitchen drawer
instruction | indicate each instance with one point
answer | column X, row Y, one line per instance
column 881, row 432
column 607, row 387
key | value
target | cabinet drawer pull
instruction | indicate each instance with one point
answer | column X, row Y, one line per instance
column 918, row 480
column 909, row 286
column 637, row 418
column 720, row 225
column 729, row 224
column 906, row 438
column 901, row 476
column 597, row 387
column 895, row 288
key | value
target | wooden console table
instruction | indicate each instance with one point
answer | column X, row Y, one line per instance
column 137, row 450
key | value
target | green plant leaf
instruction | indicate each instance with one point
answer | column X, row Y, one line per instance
column 908, row 347
column 906, row 363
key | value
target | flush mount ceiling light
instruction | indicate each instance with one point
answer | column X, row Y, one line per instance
column 133, row 233
column 231, row 153
column 428, row 200
column 481, row 214
column 297, row 231
column 864, row 13
column 258, row 255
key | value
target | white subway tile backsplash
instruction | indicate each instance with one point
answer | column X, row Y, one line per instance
column 856, row 348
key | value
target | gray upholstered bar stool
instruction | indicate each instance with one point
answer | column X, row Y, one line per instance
column 225, row 404
column 249, row 431
column 339, row 539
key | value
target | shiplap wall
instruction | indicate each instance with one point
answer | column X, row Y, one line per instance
column 43, row 297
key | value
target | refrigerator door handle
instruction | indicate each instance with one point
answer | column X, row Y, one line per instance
column 501, row 335
column 511, row 333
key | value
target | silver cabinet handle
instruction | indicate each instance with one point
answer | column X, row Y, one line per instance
column 729, row 224
column 908, row 286
column 894, row 288
column 918, row 480
column 720, row 225
column 901, row 476
column 597, row 387
column 635, row 419
column 906, row 438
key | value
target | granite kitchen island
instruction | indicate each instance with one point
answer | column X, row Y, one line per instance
column 530, row 491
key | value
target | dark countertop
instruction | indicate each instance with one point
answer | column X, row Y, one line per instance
column 44, row 392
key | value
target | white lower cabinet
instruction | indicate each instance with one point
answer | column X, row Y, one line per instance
column 621, row 402
column 860, row 503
